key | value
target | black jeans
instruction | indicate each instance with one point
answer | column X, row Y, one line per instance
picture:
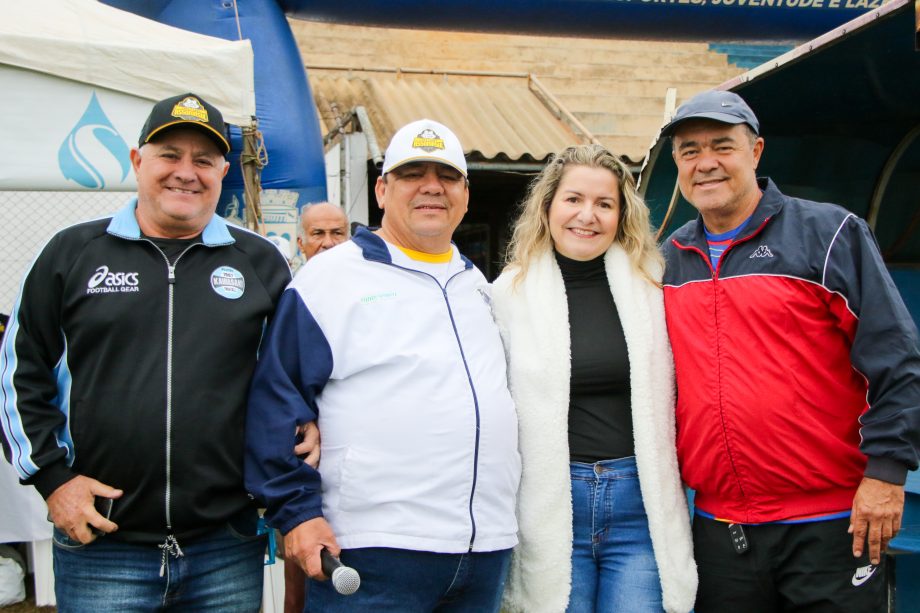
column 788, row 567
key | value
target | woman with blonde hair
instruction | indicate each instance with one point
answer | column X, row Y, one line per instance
column 603, row 520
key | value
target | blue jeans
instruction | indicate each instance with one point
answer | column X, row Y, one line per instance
column 613, row 566
column 403, row 581
column 220, row 571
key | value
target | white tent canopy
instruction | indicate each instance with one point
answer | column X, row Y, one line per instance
column 78, row 79
column 95, row 44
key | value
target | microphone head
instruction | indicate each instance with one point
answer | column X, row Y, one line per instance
column 345, row 580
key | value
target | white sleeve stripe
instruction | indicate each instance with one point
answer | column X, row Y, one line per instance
column 827, row 256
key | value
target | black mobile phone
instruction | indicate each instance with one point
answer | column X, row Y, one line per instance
column 104, row 508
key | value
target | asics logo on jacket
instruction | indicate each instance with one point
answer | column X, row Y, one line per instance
column 112, row 281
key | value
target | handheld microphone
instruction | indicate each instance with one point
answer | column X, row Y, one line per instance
column 345, row 580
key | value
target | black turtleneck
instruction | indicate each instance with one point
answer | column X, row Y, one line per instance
column 600, row 420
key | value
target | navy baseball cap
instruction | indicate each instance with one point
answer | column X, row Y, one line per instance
column 187, row 110
column 718, row 105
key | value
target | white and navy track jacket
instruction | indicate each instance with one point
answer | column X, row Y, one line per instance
column 120, row 367
column 407, row 378
column 798, row 366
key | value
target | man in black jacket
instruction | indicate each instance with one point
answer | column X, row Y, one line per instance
column 123, row 379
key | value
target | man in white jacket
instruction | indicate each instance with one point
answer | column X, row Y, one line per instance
column 402, row 365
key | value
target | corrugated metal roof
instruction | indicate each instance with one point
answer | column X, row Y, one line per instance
column 496, row 118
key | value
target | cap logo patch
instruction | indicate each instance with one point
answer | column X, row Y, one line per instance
column 228, row 282
column 428, row 141
column 189, row 108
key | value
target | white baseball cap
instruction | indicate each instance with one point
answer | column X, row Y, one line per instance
column 424, row 140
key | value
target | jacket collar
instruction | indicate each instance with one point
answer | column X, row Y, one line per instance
column 374, row 248
column 770, row 204
column 124, row 225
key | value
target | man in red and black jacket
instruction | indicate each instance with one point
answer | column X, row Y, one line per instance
column 798, row 375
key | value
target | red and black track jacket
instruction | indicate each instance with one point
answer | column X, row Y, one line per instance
column 796, row 362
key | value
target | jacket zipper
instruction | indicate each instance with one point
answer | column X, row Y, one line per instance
column 170, row 546
column 469, row 378
column 715, row 279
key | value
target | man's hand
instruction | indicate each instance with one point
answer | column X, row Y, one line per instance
column 309, row 447
column 877, row 509
column 72, row 510
column 304, row 543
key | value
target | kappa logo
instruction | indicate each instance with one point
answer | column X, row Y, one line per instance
column 863, row 574
column 105, row 281
column 228, row 282
column 761, row 252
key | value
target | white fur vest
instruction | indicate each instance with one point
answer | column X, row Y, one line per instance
column 534, row 322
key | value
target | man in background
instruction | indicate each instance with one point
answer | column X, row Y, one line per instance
column 322, row 226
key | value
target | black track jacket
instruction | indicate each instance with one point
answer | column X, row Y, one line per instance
column 120, row 367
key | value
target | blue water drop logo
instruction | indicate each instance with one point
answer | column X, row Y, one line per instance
column 81, row 157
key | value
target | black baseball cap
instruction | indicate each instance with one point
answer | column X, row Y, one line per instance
column 187, row 111
column 718, row 105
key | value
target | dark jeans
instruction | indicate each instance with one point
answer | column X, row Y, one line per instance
column 403, row 581
column 788, row 567
column 220, row 572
